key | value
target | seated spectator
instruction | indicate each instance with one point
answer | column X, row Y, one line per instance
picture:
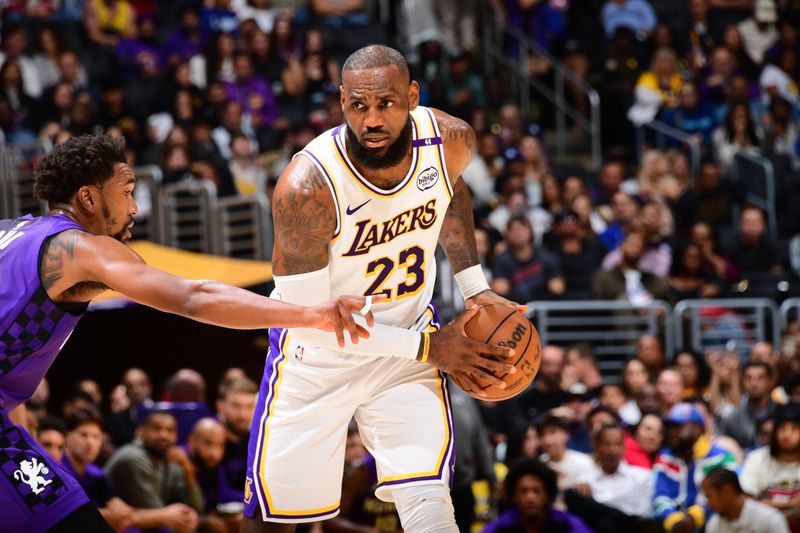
column 739, row 133
column 76, row 399
column 612, row 396
column 626, row 281
column 714, row 265
column 636, row 15
column 139, row 391
column 142, row 476
column 545, row 392
column 687, row 279
column 141, row 57
column 781, row 133
column 650, row 351
column 777, row 81
column 185, row 385
column 721, row 69
column 695, row 373
column 83, row 442
column 232, row 122
column 678, row 498
column 577, row 256
column 252, row 93
column 523, row 442
column 49, row 46
column 655, row 180
column 16, row 107
column 321, row 72
column 258, row 10
column 735, row 511
column 582, row 358
column 669, row 387
column 248, row 175
column 107, row 21
column 692, row 115
column 615, row 483
column 535, row 168
column 758, row 32
column 625, row 211
column 771, row 473
column 51, row 435
column 188, row 39
column 483, row 170
column 523, row 272
column 609, row 179
column 235, row 408
column 531, row 489
column 657, row 87
column 568, row 464
column 92, row 388
column 753, row 251
column 14, row 45
column 657, row 257
column 643, row 446
column 218, row 17
column 634, row 379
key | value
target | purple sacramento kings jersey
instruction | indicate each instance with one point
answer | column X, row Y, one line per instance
column 32, row 328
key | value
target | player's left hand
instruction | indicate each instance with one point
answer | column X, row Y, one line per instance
column 337, row 315
column 489, row 297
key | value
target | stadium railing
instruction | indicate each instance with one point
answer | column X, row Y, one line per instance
column 790, row 311
column 146, row 194
column 754, row 177
column 184, row 213
column 243, row 227
column 16, row 179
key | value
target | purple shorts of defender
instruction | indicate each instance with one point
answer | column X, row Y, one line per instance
column 35, row 491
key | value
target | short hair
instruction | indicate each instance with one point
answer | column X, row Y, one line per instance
column 721, row 476
column 531, row 467
column 84, row 160
column 782, row 414
column 548, row 420
column 76, row 393
column 604, row 429
column 376, row 56
column 238, row 386
column 757, row 364
column 583, row 348
column 151, row 414
column 52, row 423
column 603, row 409
column 84, row 416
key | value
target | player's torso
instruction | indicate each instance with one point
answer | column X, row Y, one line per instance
column 32, row 328
column 385, row 240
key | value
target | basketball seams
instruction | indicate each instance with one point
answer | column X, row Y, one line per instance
column 530, row 338
column 509, row 315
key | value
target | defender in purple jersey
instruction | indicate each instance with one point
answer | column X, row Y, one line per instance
column 51, row 267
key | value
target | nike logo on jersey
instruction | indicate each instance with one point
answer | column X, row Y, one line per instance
column 351, row 211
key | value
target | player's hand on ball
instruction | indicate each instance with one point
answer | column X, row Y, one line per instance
column 453, row 352
column 490, row 297
column 337, row 316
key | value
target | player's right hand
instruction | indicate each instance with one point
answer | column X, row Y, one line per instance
column 453, row 352
column 337, row 316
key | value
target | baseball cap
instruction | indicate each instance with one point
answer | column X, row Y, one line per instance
column 684, row 413
column 766, row 11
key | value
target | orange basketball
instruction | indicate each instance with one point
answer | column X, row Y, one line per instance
column 502, row 325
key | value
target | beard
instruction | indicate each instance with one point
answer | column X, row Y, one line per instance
column 111, row 222
column 380, row 158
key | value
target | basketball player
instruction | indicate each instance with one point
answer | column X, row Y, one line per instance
column 50, row 268
column 361, row 210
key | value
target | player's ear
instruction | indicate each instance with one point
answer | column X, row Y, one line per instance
column 341, row 96
column 413, row 95
column 87, row 198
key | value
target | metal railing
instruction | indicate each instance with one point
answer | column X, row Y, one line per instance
column 662, row 131
column 16, row 179
column 242, row 227
column 762, row 197
column 789, row 307
column 185, row 215
column 497, row 31
column 712, row 324
column 612, row 327
column 148, row 185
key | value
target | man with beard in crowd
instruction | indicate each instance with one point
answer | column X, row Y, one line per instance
column 235, row 408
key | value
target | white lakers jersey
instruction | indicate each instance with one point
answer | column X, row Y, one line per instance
column 385, row 240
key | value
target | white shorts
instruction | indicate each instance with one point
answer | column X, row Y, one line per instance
column 307, row 398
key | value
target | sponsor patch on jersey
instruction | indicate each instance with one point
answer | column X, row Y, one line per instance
column 427, row 178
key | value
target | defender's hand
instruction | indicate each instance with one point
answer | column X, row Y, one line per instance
column 453, row 352
column 337, row 315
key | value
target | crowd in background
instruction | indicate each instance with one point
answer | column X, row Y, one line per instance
column 227, row 90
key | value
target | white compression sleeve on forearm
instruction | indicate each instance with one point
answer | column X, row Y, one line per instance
column 313, row 288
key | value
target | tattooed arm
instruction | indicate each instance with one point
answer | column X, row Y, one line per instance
column 76, row 266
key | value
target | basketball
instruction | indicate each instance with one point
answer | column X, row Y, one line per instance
column 503, row 325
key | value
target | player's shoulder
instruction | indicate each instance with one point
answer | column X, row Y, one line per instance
column 458, row 138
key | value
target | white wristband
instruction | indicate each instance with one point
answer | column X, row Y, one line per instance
column 471, row 281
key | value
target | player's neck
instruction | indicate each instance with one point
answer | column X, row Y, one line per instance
column 71, row 213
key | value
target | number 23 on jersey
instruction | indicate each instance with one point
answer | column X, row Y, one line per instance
column 412, row 260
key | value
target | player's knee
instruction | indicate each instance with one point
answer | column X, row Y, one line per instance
column 425, row 509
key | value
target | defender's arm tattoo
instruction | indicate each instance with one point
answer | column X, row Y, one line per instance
column 304, row 218
column 58, row 250
column 458, row 230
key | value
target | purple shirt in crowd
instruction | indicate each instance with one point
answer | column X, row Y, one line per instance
column 185, row 47
column 32, row 328
column 557, row 522
column 255, row 97
column 93, row 481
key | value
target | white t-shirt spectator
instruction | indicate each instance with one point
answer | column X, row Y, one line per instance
column 573, row 467
column 756, row 43
column 478, row 178
column 636, row 15
column 762, row 473
column 756, row 516
column 629, row 489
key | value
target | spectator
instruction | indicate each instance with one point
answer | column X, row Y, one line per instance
column 612, row 396
column 232, row 123
column 535, row 168
column 252, row 93
column 636, row 15
column 647, row 440
column 12, row 48
column 692, row 115
column 758, row 32
column 465, row 88
column 17, row 107
column 626, row 281
column 657, row 257
column 84, row 440
column 669, row 387
column 657, row 87
column 142, row 476
column 680, row 468
column 625, row 211
column 578, row 256
column 322, row 73
column 106, row 21
column 121, row 426
column 523, row 442
column 687, row 279
column 235, row 408
column 772, row 473
column 611, row 176
column 739, row 133
column 523, row 272
column 92, row 388
column 545, row 392
column 258, row 10
column 510, row 121
column 634, row 379
column 531, row 489
column 710, row 201
column 248, row 175
column 45, row 60
column 714, row 265
column 695, row 373
column 781, row 134
column 218, row 17
column 735, row 511
column 52, row 435
column 482, row 172
column 650, row 351
column 724, row 387
column 568, row 464
column 581, row 357
column 753, row 251
column 188, row 39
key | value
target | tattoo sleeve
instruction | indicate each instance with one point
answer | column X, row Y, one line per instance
column 304, row 218
column 458, row 230
column 59, row 250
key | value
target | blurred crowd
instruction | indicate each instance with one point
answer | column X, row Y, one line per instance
column 227, row 90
